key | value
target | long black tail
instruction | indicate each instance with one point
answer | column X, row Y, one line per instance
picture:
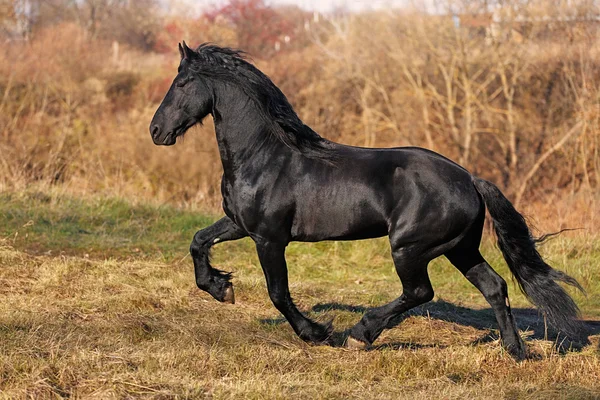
column 536, row 278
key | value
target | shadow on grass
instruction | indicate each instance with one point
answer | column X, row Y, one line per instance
column 528, row 319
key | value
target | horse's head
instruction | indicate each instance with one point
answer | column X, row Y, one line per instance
column 187, row 102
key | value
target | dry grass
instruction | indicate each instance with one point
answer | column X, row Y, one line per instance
column 109, row 322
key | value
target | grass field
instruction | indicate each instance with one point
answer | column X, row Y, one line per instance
column 98, row 301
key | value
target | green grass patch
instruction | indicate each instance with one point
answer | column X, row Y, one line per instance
column 98, row 227
column 104, row 228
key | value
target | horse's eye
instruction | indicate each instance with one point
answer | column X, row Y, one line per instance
column 184, row 81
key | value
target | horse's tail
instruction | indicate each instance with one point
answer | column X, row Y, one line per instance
column 536, row 278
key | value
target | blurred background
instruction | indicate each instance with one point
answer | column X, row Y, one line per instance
column 508, row 89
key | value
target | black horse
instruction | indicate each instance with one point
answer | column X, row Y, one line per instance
column 283, row 182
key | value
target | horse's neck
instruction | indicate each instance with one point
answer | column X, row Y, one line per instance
column 243, row 133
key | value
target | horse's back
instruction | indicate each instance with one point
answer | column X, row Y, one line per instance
column 374, row 192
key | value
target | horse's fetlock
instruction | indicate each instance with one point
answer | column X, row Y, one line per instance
column 279, row 299
column 202, row 286
column 422, row 294
column 316, row 333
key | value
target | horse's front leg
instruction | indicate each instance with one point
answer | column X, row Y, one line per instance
column 210, row 279
column 272, row 260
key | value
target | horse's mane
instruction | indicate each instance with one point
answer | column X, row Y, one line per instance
column 231, row 66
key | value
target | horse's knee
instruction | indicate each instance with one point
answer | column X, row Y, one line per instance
column 195, row 249
column 199, row 242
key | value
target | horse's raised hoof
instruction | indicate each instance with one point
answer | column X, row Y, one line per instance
column 355, row 344
column 229, row 297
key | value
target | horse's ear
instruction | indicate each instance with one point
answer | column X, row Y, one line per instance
column 181, row 53
column 186, row 51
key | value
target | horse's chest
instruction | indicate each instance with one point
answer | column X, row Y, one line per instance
column 241, row 203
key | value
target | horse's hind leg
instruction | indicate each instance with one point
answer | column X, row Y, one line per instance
column 467, row 258
column 209, row 279
column 416, row 290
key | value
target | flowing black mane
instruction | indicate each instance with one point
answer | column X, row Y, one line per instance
column 230, row 65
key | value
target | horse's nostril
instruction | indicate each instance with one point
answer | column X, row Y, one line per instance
column 154, row 130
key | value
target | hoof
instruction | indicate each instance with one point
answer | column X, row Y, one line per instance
column 518, row 354
column 517, row 350
column 317, row 334
column 229, row 297
column 355, row 344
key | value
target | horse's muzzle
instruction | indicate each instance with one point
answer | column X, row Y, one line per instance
column 160, row 138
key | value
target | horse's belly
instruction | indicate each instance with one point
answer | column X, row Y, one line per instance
column 338, row 223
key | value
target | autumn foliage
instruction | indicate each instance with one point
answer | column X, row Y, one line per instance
column 510, row 93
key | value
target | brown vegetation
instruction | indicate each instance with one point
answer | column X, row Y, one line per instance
column 512, row 95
